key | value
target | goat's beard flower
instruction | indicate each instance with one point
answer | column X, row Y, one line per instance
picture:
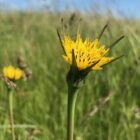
column 86, row 53
column 12, row 73
column 85, row 56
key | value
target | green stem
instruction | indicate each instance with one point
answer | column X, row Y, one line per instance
column 11, row 114
column 72, row 96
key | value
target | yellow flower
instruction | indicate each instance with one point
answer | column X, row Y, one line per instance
column 18, row 73
column 86, row 53
column 12, row 73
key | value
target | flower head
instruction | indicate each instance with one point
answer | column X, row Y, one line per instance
column 12, row 73
column 87, row 53
column 84, row 56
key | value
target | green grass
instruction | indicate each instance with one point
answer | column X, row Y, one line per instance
column 42, row 100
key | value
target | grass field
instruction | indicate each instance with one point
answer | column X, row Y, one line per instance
column 42, row 99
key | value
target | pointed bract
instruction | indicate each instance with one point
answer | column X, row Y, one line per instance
column 102, row 31
column 114, row 59
column 60, row 41
column 117, row 41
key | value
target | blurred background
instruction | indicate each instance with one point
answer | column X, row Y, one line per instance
column 108, row 106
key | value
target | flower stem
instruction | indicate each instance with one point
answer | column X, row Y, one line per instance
column 11, row 114
column 72, row 96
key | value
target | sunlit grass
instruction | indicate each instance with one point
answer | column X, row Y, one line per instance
column 42, row 100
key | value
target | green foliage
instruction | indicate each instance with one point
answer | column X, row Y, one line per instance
column 42, row 100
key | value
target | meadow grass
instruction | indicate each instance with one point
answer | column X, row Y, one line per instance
column 42, row 99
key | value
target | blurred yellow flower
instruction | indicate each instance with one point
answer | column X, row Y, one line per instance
column 86, row 53
column 12, row 73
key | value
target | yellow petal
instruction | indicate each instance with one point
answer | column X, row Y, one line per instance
column 18, row 74
column 86, row 52
column 9, row 72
